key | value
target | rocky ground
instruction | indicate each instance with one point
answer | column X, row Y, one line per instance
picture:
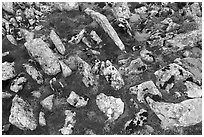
column 101, row 68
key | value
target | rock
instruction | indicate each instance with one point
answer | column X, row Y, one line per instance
column 86, row 42
column 47, row 102
column 5, row 53
column 147, row 55
column 66, row 6
column 111, row 106
column 69, row 123
column 76, row 39
column 18, row 84
column 112, row 75
column 76, row 100
column 193, row 90
column 42, row 120
column 144, row 88
column 29, row 36
column 44, row 56
column 8, row 70
column 22, row 114
column 34, row 73
column 95, row 37
column 11, row 39
column 193, row 65
column 57, row 42
column 104, row 23
column 183, row 114
column 6, row 95
column 66, row 71
column 89, row 132
column 121, row 10
column 36, row 93
column 168, row 75
column 8, row 6
column 135, row 18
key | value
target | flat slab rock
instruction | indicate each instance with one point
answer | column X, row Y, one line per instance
column 44, row 55
column 22, row 114
column 185, row 113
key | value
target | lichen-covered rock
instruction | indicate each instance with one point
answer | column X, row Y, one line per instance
column 57, row 42
column 22, row 114
column 104, row 23
column 11, row 39
column 34, row 73
column 144, row 88
column 8, row 6
column 193, row 65
column 168, row 75
column 18, row 84
column 185, row 113
column 44, row 56
column 48, row 102
column 111, row 106
column 66, row 71
column 112, row 75
column 8, row 70
column 193, row 90
column 69, row 124
column 42, row 120
column 76, row 100
column 147, row 55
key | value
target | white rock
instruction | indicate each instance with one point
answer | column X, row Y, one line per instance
column 86, row 42
column 111, row 106
column 18, row 84
column 104, row 23
column 121, row 10
column 95, row 37
column 5, row 53
column 146, row 55
column 76, row 39
column 66, row 71
column 6, row 95
column 112, row 75
column 29, row 36
column 22, row 114
column 168, row 75
column 42, row 120
column 34, row 73
column 8, row 6
column 144, row 88
column 8, row 70
column 11, row 39
column 36, row 93
column 76, row 100
column 69, row 124
column 47, row 102
column 57, row 42
column 193, row 90
column 185, row 113
column 66, row 6
column 44, row 55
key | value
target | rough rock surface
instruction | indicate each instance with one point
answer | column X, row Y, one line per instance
column 66, row 71
column 111, row 106
column 47, row 102
column 8, row 70
column 193, row 90
column 44, row 55
column 22, row 114
column 186, row 113
column 42, row 120
column 18, row 84
column 76, row 100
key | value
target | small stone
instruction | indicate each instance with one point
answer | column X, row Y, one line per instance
column 6, row 95
column 48, row 102
column 144, row 88
column 43, row 55
column 66, row 71
column 8, row 6
column 89, row 132
column 193, row 90
column 8, row 70
column 147, row 55
column 69, row 123
column 39, row 27
column 11, row 39
column 29, row 36
column 121, row 10
column 76, row 39
column 86, row 42
column 34, row 73
column 36, row 93
column 22, row 115
column 95, row 37
column 76, row 100
column 57, row 42
column 18, row 84
column 42, row 120
column 111, row 106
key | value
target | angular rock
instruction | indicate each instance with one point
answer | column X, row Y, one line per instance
column 34, row 73
column 147, row 55
column 42, row 120
column 57, row 42
column 48, row 102
column 104, row 23
column 95, row 37
column 44, row 55
column 168, row 75
column 22, row 114
column 76, row 100
column 11, row 39
column 69, row 123
column 144, row 88
column 36, row 93
column 185, row 113
column 193, row 65
column 193, row 90
column 8, row 6
column 112, row 75
column 111, row 106
column 66, row 71
column 8, row 70
column 18, row 84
